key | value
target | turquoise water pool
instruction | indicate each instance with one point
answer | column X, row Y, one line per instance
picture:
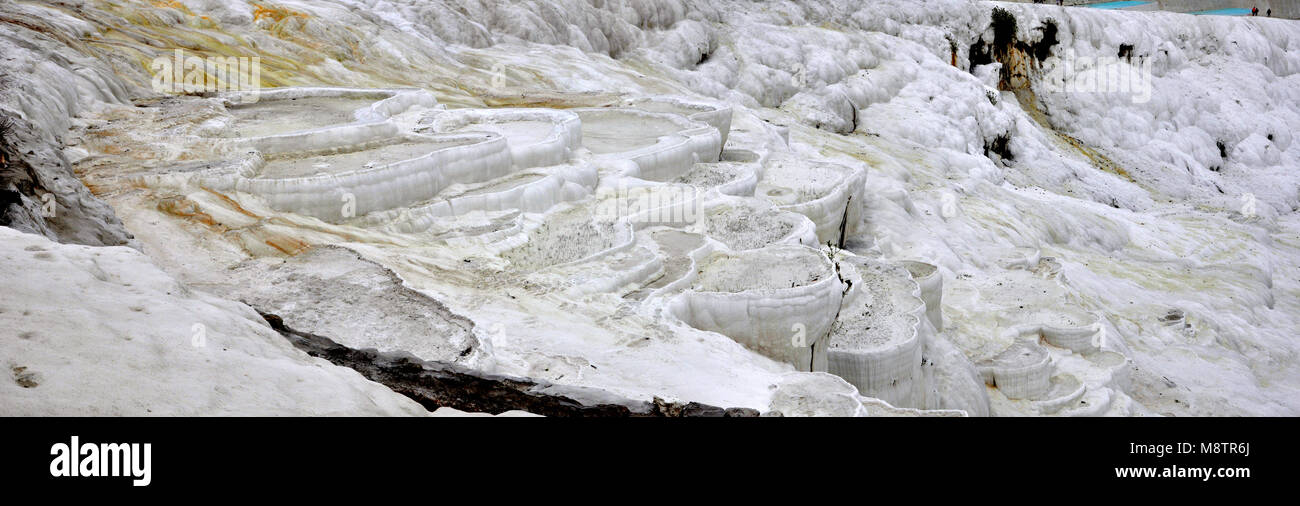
column 1223, row 12
column 1116, row 5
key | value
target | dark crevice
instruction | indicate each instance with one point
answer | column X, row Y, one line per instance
column 854, row 107
column 1126, row 52
column 844, row 221
column 16, row 177
column 1043, row 48
column 979, row 55
column 439, row 384
column 1001, row 146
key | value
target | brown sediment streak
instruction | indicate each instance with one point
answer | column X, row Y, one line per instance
column 1029, row 103
column 287, row 245
column 231, row 202
column 181, row 206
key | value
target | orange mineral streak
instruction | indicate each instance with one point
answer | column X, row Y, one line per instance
column 276, row 14
column 169, row 4
column 231, row 202
column 181, row 206
column 288, row 245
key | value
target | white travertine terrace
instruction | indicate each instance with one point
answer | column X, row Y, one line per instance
column 716, row 115
column 779, row 301
column 931, row 283
column 1057, row 360
column 369, row 122
column 1022, row 371
column 1079, row 332
column 877, row 407
column 537, row 137
column 646, row 204
column 726, row 177
column 531, row 190
column 459, row 147
column 877, row 338
column 821, row 394
column 827, row 193
column 711, row 238
column 368, row 165
column 726, row 271
column 744, row 224
column 657, row 146
column 458, row 158
column 541, row 145
column 1064, row 390
column 680, row 252
column 390, row 151
column 568, row 235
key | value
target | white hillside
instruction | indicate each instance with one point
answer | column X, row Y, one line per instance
column 819, row 208
column 137, row 343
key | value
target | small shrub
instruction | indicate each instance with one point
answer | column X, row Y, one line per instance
column 1004, row 27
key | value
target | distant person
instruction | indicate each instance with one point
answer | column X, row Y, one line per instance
column 1269, row 13
column 1254, row 11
